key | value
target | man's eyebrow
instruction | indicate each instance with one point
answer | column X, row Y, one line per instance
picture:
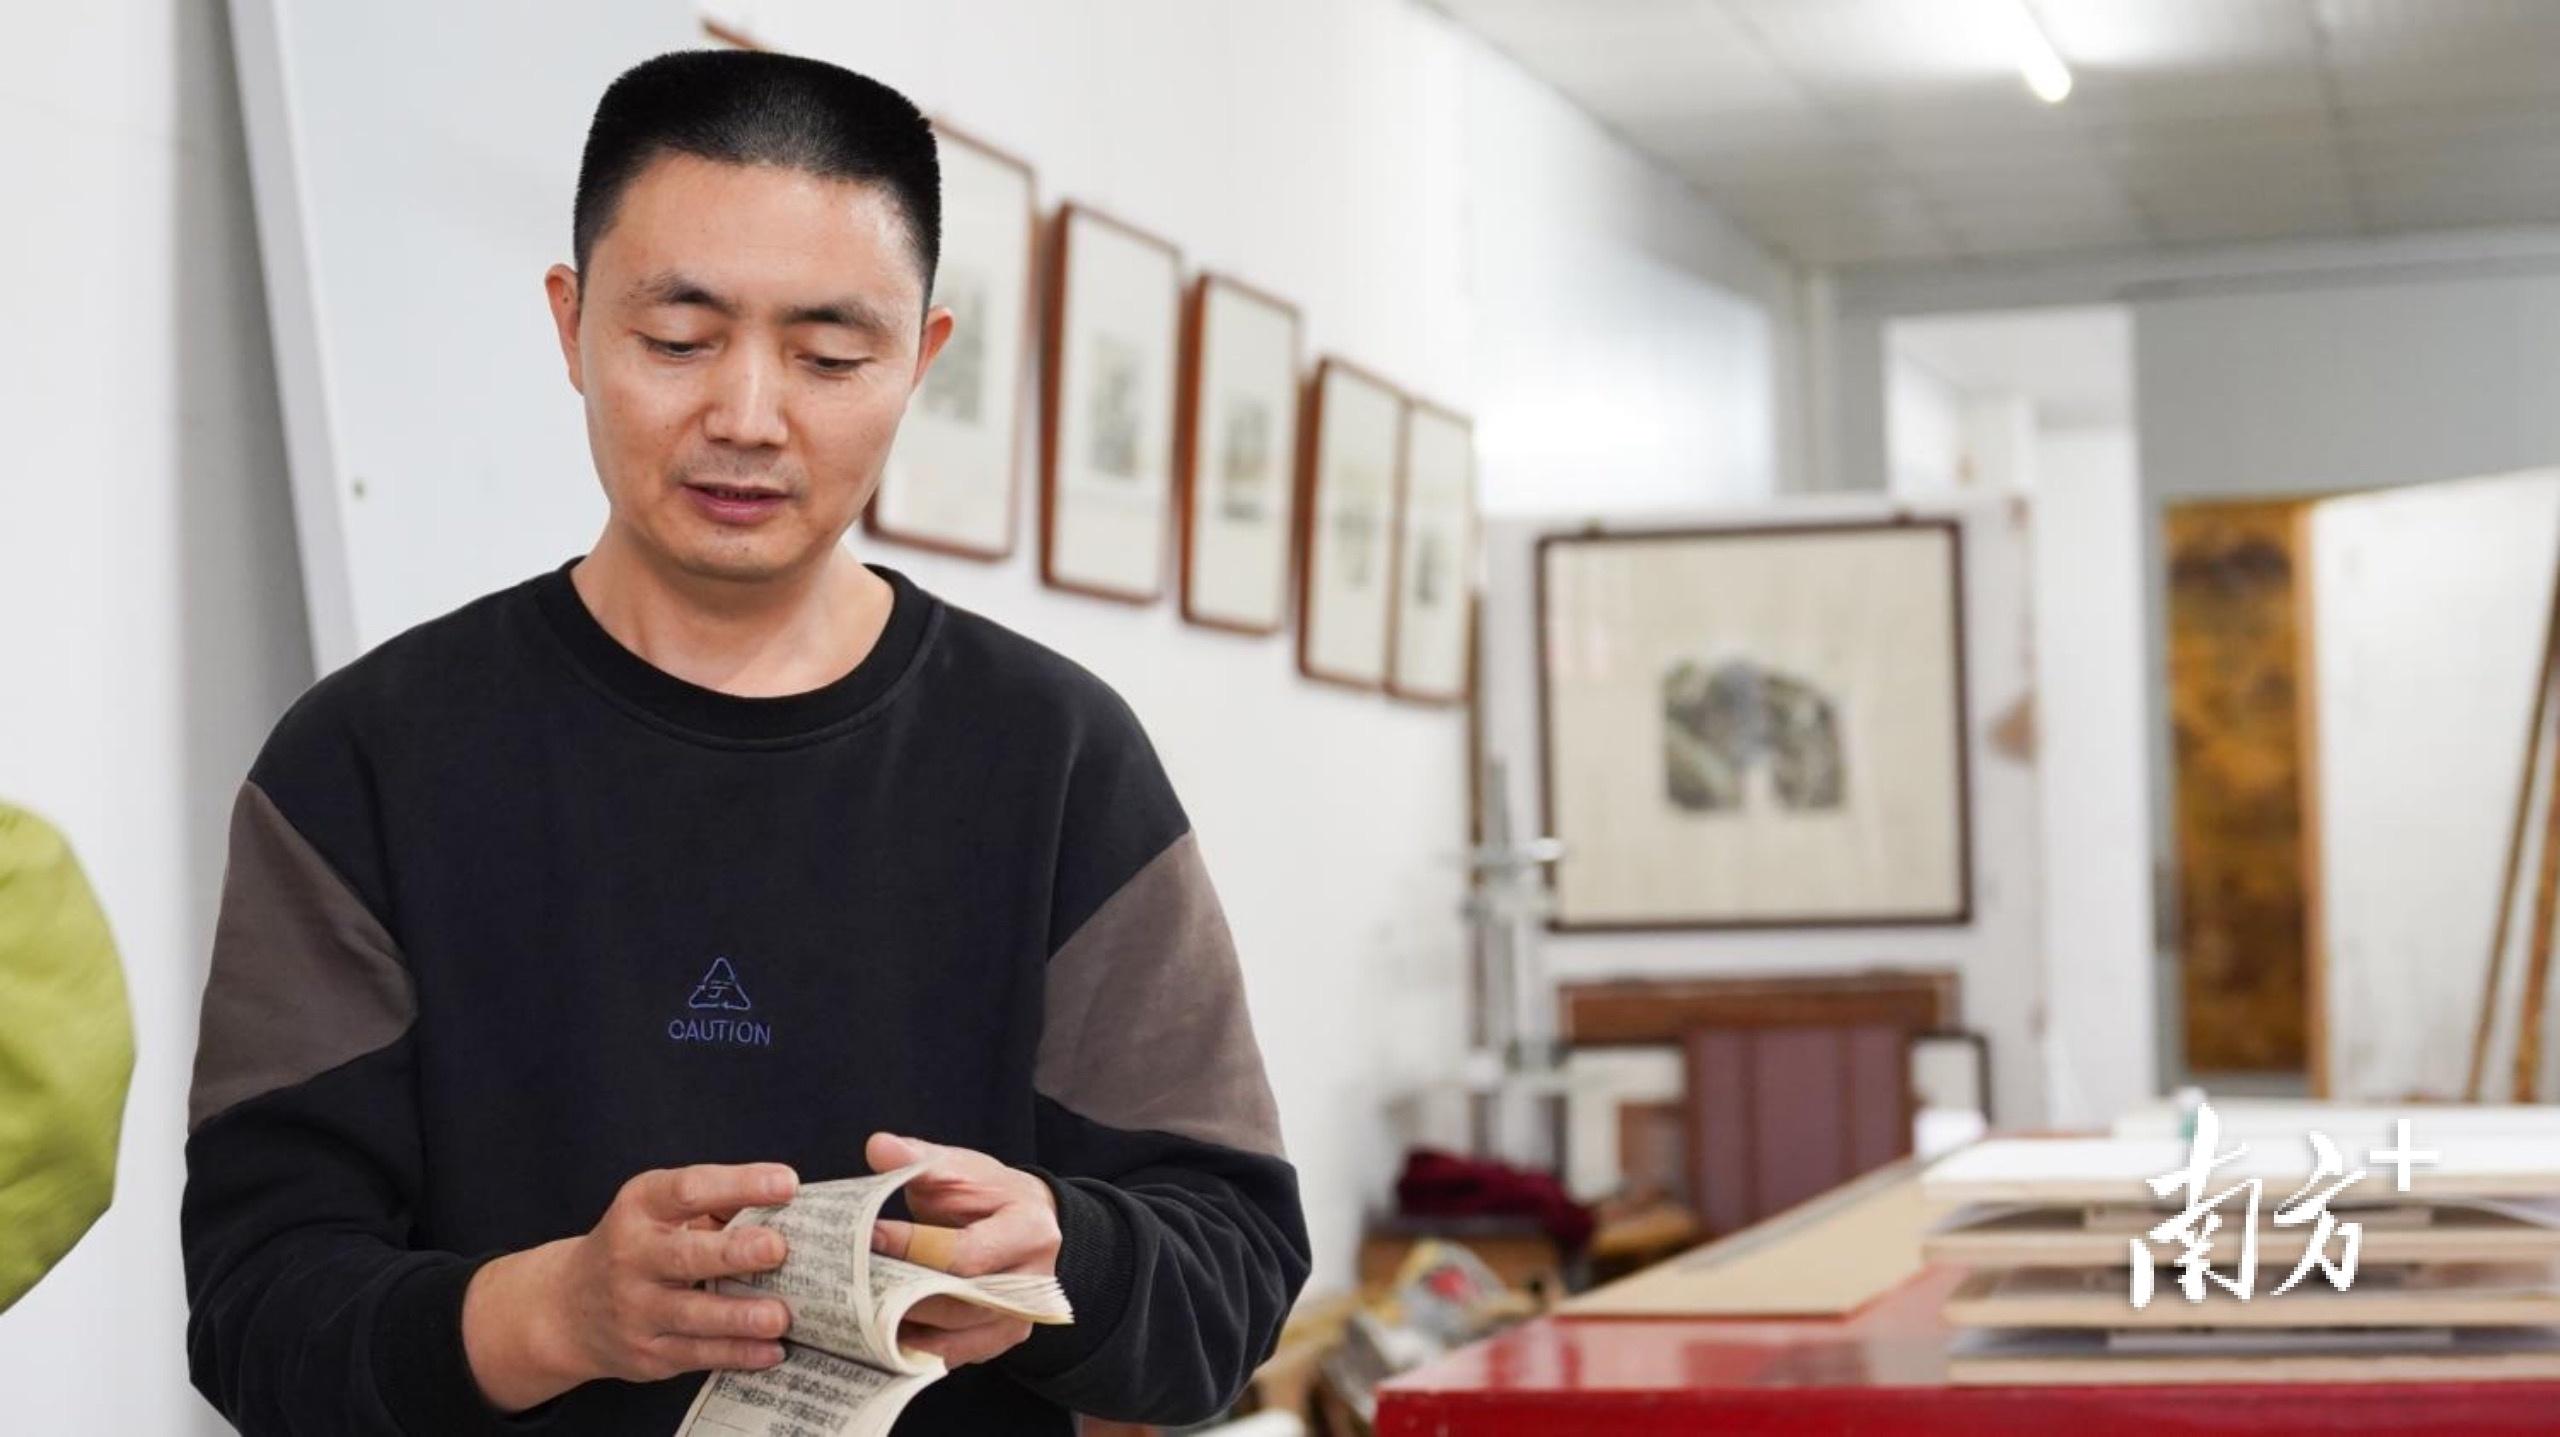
column 849, row 312
column 673, row 287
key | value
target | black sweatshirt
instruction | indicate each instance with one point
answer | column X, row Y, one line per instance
column 512, row 915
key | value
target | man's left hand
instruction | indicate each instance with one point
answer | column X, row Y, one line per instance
column 1007, row 1221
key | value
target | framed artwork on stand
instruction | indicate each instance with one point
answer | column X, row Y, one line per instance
column 1237, row 453
column 951, row 482
column 1756, row 727
column 1106, row 454
column 1432, row 649
column 1346, row 525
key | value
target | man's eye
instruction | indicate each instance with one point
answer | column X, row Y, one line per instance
column 827, row 365
column 672, row 348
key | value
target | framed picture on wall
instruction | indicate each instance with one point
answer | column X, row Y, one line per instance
column 1115, row 322
column 1237, row 447
column 1756, row 727
column 1346, row 524
column 1433, row 625
column 950, row 482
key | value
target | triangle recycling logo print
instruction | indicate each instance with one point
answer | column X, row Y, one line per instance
column 719, row 989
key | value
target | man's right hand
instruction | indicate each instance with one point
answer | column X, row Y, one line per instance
column 621, row 1300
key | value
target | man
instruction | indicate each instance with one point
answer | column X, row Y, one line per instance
column 563, row 926
column 66, row 1053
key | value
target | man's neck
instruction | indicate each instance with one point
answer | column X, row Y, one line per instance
column 785, row 635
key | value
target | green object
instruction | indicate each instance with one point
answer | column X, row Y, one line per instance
column 66, row 1052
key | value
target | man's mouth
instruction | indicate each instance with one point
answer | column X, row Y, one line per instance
column 735, row 503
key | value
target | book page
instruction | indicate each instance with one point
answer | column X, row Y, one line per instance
column 812, row 1394
column 843, row 1374
column 897, row 1285
column 825, row 1276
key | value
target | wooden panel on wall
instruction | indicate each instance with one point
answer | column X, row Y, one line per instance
column 2236, row 590
column 1665, row 1011
column 1778, row 1115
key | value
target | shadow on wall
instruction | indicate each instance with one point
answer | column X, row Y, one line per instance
column 245, row 651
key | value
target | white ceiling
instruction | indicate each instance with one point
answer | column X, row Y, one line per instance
column 1848, row 132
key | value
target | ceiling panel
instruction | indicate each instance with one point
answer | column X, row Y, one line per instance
column 2432, row 32
column 2200, row 176
column 1653, row 56
column 1857, row 131
column 1873, row 246
column 1741, row 142
column 2255, row 224
column 1801, row 207
column 2487, row 124
column 2418, row 52
column 1849, row 51
column 2186, row 140
column 2058, row 188
column 2179, row 36
column 1984, row 109
column 2420, row 207
column 2169, row 97
column 2069, row 235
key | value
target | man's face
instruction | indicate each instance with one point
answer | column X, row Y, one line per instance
column 746, row 338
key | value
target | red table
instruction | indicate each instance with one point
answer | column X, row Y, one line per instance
column 1878, row 1372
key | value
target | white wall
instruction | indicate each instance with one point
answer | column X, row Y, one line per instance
column 2428, row 606
column 1972, row 404
column 1997, row 953
column 2000, row 439
column 151, row 621
column 2092, row 765
column 1629, row 348
column 1924, row 429
column 2347, row 386
column 1942, row 436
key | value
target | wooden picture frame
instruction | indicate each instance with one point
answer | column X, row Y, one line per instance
column 1431, row 649
column 1106, row 432
column 953, row 482
column 1236, row 446
column 1758, row 727
column 1347, row 524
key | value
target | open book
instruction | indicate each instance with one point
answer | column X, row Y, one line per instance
column 843, row 1373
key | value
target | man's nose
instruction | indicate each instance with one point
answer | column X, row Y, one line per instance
column 746, row 407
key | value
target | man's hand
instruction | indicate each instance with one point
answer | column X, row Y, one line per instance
column 621, row 1301
column 1007, row 1221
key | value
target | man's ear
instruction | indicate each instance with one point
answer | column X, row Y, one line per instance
column 560, row 286
column 937, row 332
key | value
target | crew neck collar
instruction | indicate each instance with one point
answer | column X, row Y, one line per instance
column 696, row 709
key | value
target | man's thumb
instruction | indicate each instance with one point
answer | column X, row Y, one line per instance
column 888, row 1150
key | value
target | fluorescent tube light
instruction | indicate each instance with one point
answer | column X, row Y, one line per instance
column 2047, row 76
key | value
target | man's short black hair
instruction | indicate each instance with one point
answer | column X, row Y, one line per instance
column 746, row 107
